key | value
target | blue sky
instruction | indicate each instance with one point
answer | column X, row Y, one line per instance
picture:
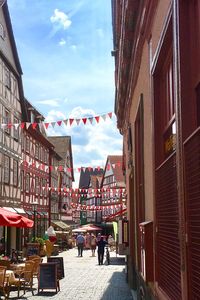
column 64, row 48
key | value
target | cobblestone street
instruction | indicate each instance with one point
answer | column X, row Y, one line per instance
column 85, row 279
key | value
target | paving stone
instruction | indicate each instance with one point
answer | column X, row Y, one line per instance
column 85, row 279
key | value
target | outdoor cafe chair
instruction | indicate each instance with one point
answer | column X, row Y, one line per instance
column 37, row 261
column 5, row 263
column 31, row 257
column 4, row 285
column 25, row 277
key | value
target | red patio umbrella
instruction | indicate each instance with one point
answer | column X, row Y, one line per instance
column 8, row 218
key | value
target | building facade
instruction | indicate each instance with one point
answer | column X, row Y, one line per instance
column 85, row 197
column 35, row 173
column 157, row 77
column 113, row 187
column 11, row 109
column 66, row 176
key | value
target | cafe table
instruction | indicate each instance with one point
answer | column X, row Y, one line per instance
column 11, row 276
column 17, row 267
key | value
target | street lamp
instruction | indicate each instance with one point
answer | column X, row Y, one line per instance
column 34, row 204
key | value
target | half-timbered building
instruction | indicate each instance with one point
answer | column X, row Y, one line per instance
column 11, row 108
column 66, row 177
column 113, row 187
column 35, row 172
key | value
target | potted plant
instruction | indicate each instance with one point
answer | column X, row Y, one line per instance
column 41, row 242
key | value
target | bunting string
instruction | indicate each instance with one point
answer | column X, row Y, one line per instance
column 97, row 192
column 107, row 208
column 40, row 166
column 67, row 122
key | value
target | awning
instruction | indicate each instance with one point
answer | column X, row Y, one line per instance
column 10, row 209
column 60, row 224
column 8, row 218
column 20, row 210
column 40, row 213
column 29, row 213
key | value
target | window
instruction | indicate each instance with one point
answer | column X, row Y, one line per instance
column 22, row 180
column 37, row 186
column 7, row 120
column 36, row 151
column 2, row 32
column 45, row 156
column 15, row 172
column 164, row 103
column 44, row 184
column 6, row 169
column 7, row 79
column 32, row 117
column 198, row 103
column 16, row 129
column 27, row 144
column 27, row 184
column 42, row 154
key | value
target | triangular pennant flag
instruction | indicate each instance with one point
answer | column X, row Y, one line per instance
column 9, row 125
column 84, row 120
column 91, row 119
column 28, row 124
column 103, row 117
column 59, row 123
column 97, row 119
column 65, row 121
column 110, row 114
column 3, row 126
column 78, row 121
column 34, row 125
column 46, row 125
column 53, row 124
column 71, row 121
column 22, row 125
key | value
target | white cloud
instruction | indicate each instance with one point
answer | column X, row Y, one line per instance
column 91, row 144
column 61, row 19
column 50, row 102
column 100, row 32
column 74, row 47
column 62, row 42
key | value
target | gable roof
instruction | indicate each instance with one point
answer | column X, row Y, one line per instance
column 117, row 160
column 62, row 145
column 84, row 180
column 11, row 36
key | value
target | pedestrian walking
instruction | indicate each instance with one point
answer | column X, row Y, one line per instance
column 80, row 241
column 101, row 248
column 93, row 244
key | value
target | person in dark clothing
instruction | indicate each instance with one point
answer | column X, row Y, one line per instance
column 100, row 250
